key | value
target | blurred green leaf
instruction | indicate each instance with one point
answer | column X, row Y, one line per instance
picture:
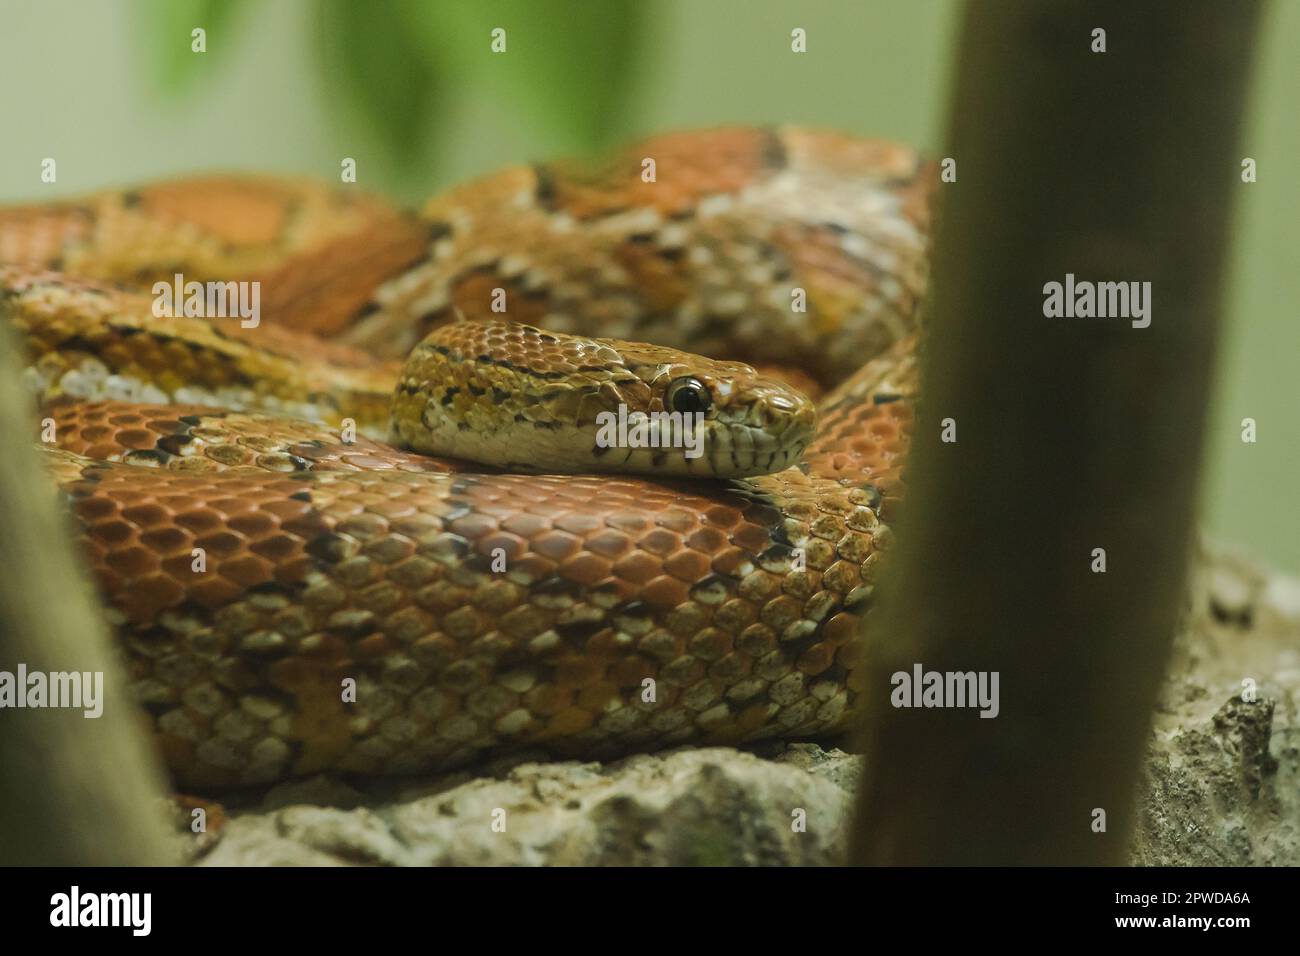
column 569, row 63
column 168, row 26
column 383, row 69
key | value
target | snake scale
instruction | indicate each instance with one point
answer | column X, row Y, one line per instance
column 361, row 607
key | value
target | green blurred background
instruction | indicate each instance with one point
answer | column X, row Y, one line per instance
column 411, row 90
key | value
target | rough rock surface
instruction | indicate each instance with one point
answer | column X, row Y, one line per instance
column 1223, row 779
column 1223, row 771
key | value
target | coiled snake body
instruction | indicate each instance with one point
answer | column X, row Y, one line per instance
column 290, row 598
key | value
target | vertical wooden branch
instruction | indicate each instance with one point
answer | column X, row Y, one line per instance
column 1072, row 434
column 74, row 790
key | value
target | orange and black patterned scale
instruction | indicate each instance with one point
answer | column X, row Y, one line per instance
column 769, row 246
column 317, row 251
column 255, row 565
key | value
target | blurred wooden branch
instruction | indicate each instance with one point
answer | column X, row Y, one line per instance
column 75, row 790
column 1073, row 434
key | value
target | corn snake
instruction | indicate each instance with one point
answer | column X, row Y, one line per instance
column 629, row 612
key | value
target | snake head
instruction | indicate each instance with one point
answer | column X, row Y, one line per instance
column 516, row 397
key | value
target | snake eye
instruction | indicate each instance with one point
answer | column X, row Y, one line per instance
column 688, row 396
